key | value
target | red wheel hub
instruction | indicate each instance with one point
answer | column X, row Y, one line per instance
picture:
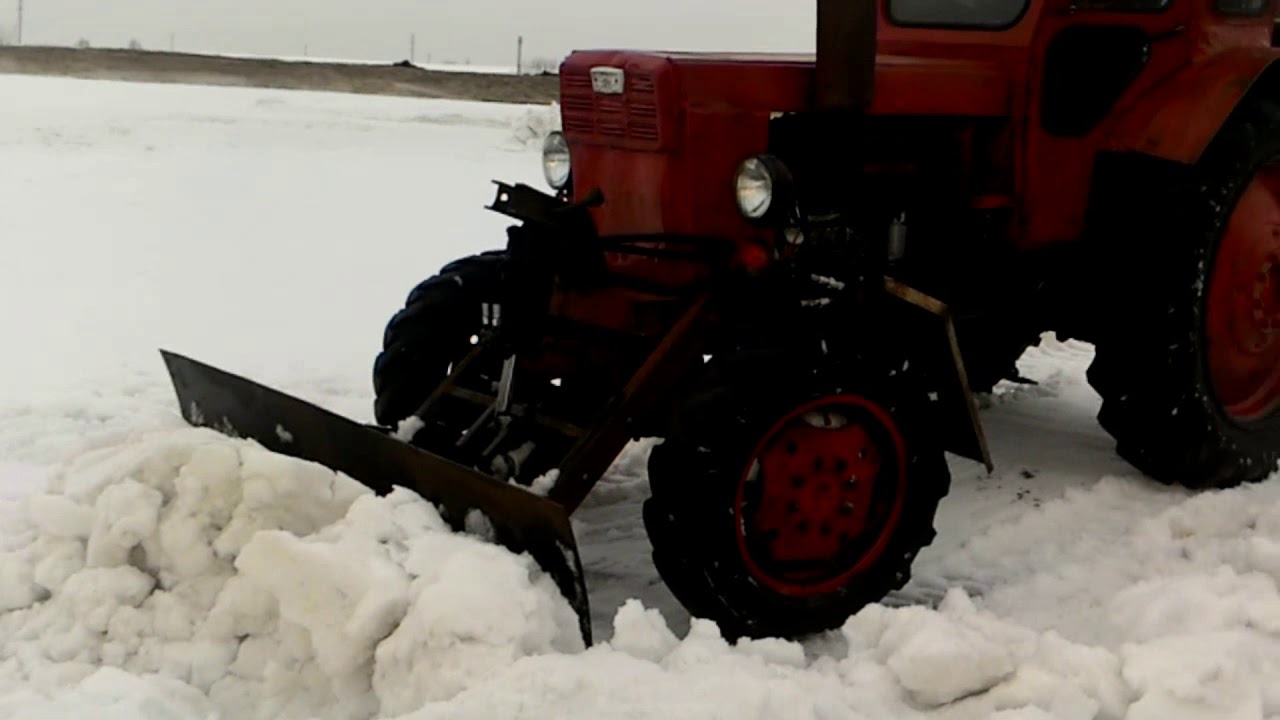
column 821, row 495
column 1242, row 323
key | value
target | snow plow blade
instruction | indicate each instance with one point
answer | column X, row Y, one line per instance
column 522, row 522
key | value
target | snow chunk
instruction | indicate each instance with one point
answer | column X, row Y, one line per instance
column 408, row 428
column 113, row 693
column 543, row 484
column 475, row 607
column 642, row 632
column 60, row 516
column 17, row 582
column 531, row 128
column 60, row 560
column 938, row 660
column 317, row 583
column 124, row 515
column 1202, row 675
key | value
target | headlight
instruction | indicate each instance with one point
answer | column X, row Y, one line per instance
column 755, row 188
column 763, row 186
column 555, row 160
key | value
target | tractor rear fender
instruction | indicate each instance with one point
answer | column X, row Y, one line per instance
column 1178, row 118
column 929, row 327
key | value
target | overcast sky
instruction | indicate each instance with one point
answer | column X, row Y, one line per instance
column 483, row 31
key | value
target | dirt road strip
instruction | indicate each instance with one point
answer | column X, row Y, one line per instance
column 389, row 79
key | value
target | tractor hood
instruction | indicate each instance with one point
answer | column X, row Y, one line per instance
column 720, row 82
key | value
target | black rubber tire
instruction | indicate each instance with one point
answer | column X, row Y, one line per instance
column 695, row 471
column 432, row 332
column 1151, row 366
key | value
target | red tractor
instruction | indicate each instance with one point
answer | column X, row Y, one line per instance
column 797, row 270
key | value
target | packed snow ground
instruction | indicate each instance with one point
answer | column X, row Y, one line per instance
column 152, row 570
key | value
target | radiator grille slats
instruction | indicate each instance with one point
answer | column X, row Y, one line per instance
column 632, row 118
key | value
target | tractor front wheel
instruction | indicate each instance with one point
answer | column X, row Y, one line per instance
column 437, row 326
column 783, row 501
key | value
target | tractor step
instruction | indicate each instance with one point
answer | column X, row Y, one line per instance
column 521, row 521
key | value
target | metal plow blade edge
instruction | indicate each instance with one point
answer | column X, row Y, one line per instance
column 522, row 522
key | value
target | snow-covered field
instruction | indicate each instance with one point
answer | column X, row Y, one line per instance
column 152, row 570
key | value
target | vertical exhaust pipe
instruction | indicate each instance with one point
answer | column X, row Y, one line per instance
column 844, row 79
column 846, row 59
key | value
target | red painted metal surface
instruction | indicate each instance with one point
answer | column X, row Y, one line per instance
column 904, row 85
column 1178, row 117
column 665, row 152
column 821, row 496
column 1212, row 32
column 1242, row 320
column 664, row 155
column 719, row 82
column 663, row 165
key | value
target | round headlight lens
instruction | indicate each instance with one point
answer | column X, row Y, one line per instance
column 555, row 160
column 755, row 188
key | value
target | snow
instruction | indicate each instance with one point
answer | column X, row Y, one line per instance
column 408, row 428
column 152, row 570
column 271, row 586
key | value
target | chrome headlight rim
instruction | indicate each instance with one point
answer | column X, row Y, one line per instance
column 557, row 164
column 762, row 189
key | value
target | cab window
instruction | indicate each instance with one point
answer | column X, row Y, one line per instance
column 1243, row 8
column 975, row 14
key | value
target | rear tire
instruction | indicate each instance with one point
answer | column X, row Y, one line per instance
column 726, row 538
column 1178, row 411
column 432, row 332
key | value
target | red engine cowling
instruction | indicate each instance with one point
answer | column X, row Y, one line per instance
column 663, row 157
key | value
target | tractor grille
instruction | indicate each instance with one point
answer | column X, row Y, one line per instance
column 630, row 119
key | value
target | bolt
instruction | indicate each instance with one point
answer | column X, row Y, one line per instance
column 792, row 508
column 792, row 447
column 802, row 526
column 842, row 466
column 846, row 509
column 797, row 482
column 817, row 464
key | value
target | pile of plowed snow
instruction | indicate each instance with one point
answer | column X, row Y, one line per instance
column 182, row 574
column 271, row 587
